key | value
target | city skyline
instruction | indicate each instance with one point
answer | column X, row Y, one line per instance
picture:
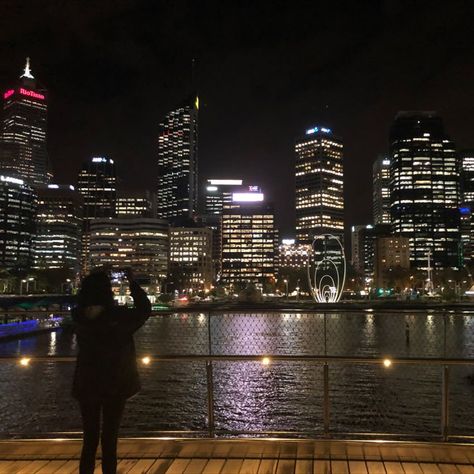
column 108, row 101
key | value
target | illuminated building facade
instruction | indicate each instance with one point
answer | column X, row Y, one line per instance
column 219, row 194
column 390, row 253
column 424, row 189
column 137, row 243
column 17, row 223
column 466, row 159
column 381, row 190
column 363, row 239
column 319, row 185
column 249, row 242
column 138, row 204
column 178, row 162
column 293, row 255
column 190, row 259
column 57, row 241
column 97, row 184
column 23, row 145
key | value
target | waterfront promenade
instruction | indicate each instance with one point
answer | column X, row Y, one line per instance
column 245, row 456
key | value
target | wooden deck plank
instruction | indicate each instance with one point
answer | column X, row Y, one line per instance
column 178, row 466
column 465, row 469
column 267, row 466
column 160, row 466
column 213, row 466
column 124, row 465
column 16, row 466
column 32, row 467
column 250, row 466
column 196, row 466
column 429, row 468
column 71, row 467
column 322, row 466
column 52, row 467
column 375, row 467
column 341, row 467
column 357, row 467
column 304, row 466
column 142, row 465
column 412, row 468
column 286, row 466
column 448, row 469
column 393, row 467
column 231, row 466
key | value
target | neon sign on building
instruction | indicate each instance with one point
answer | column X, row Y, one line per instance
column 26, row 92
column 8, row 94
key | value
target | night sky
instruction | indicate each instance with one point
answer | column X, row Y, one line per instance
column 266, row 71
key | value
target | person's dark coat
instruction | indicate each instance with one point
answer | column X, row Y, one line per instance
column 106, row 362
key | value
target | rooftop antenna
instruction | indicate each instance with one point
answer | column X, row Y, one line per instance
column 194, row 83
column 27, row 70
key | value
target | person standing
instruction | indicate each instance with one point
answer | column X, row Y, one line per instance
column 106, row 373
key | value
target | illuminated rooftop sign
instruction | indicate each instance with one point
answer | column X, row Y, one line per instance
column 22, row 91
column 225, row 182
column 9, row 179
column 100, row 159
column 310, row 131
column 386, row 162
column 247, row 197
column 33, row 94
column 212, row 188
column 53, row 186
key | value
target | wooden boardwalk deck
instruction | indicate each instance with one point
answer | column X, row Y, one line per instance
column 245, row 456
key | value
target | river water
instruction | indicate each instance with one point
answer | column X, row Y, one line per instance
column 250, row 396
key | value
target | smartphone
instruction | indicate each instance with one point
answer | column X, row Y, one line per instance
column 117, row 276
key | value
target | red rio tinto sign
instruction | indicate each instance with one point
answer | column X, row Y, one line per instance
column 35, row 95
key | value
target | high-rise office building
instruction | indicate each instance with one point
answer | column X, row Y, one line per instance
column 23, row 138
column 177, row 193
column 466, row 209
column 319, row 185
column 218, row 194
column 293, row 255
column 135, row 204
column 381, row 190
column 97, row 184
column 363, row 241
column 249, row 241
column 139, row 243
column 424, row 189
column 190, row 261
column 17, row 223
column 390, row 253
column 57, row 241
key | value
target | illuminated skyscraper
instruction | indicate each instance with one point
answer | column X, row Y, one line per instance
column 249, row 241
column 23, row 144
column 319, row 185
column 177, row 192
column 381, row 190
column 17, row 223
column 97, row 183
column 219, row 194
column 135, row 204
column 466, row 158
column 190, row 261
column 57, row 241
column 424, row 189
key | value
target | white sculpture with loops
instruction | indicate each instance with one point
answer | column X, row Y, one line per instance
column 327, row 281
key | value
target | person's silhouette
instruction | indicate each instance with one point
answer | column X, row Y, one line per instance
column 106, row 372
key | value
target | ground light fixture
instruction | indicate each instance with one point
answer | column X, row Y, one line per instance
column 146, row 360
column 387, row 363
column 25, row 361
column 265, row 360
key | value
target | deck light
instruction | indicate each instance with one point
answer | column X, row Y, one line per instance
column 266, row 360
column 387, row 363
column 25, row 361
column 146, row 360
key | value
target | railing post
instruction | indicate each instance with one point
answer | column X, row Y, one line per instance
column 445, row 405
column 326, row 399
column 210, row 382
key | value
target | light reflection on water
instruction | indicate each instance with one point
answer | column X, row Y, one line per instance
column 251, row 396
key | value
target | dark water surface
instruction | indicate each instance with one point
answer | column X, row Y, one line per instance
column 250, row 396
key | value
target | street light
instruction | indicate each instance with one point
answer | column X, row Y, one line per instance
column 286, row 283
